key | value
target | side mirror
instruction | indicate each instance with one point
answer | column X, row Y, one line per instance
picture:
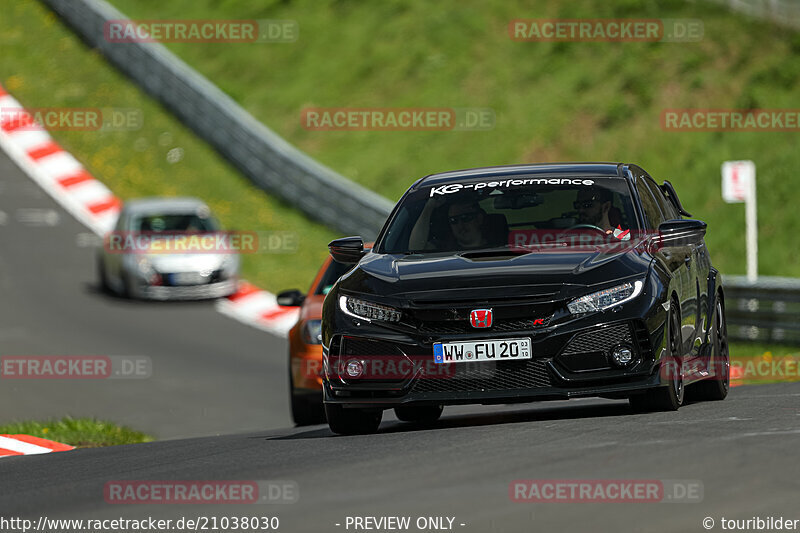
column 669, row 190
column 348, row 250
column 291, row 298
column 681, row 232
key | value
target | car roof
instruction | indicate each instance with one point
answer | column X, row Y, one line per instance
column 548, row 169
column 175, row 205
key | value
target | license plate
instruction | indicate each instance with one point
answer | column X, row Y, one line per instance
column 187, row 278
column 497, row 350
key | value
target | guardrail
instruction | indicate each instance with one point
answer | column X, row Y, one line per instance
column 781, row 12
column 258, row 152
column 767, row 310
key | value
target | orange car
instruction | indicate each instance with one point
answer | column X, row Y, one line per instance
column 305, row 350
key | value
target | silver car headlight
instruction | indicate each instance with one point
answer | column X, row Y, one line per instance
column 597, row 301
column 144, row 266
column 368, row 310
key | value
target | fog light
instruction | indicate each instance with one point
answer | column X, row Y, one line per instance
column 622, row 355
column 354, row 368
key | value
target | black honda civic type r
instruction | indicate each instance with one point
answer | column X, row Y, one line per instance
column 520, row 283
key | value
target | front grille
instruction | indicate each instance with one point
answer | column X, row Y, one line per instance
column 506, row 375
column 381, row 361
column 168, row 279
column 368, row 347
column 598, row 340
column 591, row 350
column 457, row 327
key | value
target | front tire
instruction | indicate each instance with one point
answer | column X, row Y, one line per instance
column 307, row 410
column 102, row 276
column 426, row 414
column 670, row 397
column 352, row 421
column 128, row 290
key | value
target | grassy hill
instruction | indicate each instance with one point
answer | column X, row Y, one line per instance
column 553, row 101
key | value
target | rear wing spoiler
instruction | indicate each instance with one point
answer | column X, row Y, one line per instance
column 670, row 193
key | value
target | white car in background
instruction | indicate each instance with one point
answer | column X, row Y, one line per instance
column 155, row 252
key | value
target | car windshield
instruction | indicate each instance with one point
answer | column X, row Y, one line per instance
column 175, row 223
column 508, row 212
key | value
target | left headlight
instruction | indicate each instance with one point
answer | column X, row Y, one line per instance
column 368, row 310
column 597, row 301
column 312, row 332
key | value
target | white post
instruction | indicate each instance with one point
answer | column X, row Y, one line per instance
column 751, row 221
column 739, row 185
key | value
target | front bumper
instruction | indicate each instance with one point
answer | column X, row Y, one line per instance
column 187, row 292
column 389, row 399
column 567, row 363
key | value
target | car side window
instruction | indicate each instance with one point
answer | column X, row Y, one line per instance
column 651, row 210
column 663, row 202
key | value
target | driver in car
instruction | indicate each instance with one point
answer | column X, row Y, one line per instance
column 466, row 222
column 593, row 206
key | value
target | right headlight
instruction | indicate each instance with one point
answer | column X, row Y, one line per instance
column 597, row 301
column 368, row 310
column 230, row 264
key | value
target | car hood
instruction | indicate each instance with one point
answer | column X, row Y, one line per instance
column 533, row 274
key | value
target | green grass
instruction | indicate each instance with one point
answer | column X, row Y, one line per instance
column 743, row 350
column 78, row 432
column 43, row 64
column 761, row 363
column 553, row 101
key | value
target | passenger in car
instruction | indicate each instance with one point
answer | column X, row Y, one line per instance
column 458, row 225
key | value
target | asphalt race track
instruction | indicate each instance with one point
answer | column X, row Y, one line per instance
column 742, row 451
column 210, row 374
